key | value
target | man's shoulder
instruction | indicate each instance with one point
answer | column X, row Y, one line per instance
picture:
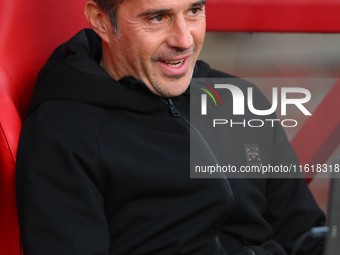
column 239, row 86
column 65, row 118
column 203, row 70
column 219, row 74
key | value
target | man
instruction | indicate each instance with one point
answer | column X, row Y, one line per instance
column 103, row 161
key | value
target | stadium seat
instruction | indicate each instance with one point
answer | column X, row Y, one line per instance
column 30, row 30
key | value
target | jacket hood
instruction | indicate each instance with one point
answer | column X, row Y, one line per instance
column 73, row 73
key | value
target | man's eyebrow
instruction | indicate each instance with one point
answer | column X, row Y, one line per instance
column 153, row 12
column 199, row 3
column 160, row 11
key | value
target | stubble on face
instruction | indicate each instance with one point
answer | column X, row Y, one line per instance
column 171, row 53
column 142, row 50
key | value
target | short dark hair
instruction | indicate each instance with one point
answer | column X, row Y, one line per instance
column 110, row 7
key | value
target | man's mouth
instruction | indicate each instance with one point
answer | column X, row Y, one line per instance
column 174, row 63
column 176, row 66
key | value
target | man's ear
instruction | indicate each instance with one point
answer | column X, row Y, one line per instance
column 98, row 20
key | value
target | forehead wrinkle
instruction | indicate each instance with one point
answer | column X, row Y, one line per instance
column 167, row 10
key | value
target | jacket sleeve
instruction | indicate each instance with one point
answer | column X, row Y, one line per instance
column 60, row 206
column 291, row 209
column 291, row 212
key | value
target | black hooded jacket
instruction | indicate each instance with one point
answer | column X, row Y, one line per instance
column 103, row 168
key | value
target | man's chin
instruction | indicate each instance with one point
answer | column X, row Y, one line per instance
column 170, row 85
column 175, row 87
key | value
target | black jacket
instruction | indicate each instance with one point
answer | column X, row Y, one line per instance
column 103, row 168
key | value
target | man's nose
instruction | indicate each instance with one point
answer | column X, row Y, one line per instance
column 180, row 35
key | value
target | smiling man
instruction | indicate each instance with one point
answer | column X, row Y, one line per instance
column 157, row 42
column 104, row 154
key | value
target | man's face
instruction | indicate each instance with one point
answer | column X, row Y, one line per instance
column 158, row 43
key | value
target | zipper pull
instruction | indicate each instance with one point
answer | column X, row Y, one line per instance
column 172, row 108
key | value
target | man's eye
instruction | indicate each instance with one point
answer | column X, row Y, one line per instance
column 157, row 19
column 195, row 10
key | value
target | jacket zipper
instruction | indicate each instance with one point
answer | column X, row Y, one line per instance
column 226, row 183
column 220, row 248
column 172, row 108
